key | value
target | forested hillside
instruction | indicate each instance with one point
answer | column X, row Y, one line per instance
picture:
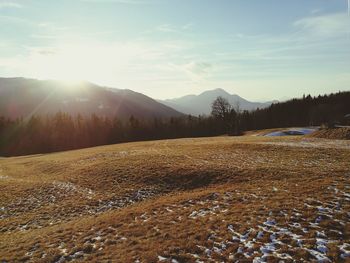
column 65, row 132
column 299, row 112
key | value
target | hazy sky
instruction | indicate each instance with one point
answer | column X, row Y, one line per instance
column 259, row 49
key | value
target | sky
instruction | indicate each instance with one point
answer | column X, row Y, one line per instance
column 259, row 49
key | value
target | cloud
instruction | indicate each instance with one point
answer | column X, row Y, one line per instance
column 6, row 4
column 198, row 68
column 196, row 71
column 315, row 11
column 45, row 51
column 329, row 25
column 167, row 28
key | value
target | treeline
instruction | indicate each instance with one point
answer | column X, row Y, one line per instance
column 64, row 132
column 307, row 111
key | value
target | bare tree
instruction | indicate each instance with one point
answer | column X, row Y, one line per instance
column 220, row 108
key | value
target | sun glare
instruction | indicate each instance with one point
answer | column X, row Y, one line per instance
column 96, row 62
column 69, row 63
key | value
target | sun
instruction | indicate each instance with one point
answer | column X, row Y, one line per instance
column 68, row 63
column 98, row 62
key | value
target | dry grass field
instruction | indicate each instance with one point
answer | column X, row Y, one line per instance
column 223, row 199
column 335, row 133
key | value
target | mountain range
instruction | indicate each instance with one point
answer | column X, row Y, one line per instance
column 201, row 104
column 20, row 97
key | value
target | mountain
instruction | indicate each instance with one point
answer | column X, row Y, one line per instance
column 20, row 97
column 201, row 104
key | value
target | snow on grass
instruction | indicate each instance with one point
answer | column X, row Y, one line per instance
column 160, row 258
column 285, row 240
column 72, row 188
column 345, row 251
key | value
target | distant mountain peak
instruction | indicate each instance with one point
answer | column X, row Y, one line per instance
column 218, row 92
column 201, row 104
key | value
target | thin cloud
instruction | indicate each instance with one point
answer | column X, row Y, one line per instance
column 17, row 21
column 315, row 11
column 168, row 28
column 10, row 5
column 329, row 25
column 198, row 68
column 196, row 71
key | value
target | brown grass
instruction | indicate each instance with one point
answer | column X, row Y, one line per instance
column 332, row 133
column 183, row 200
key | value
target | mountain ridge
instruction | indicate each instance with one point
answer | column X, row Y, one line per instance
column 201, row 104
column 22, row 97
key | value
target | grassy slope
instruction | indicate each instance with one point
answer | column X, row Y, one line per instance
column 182, row 199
